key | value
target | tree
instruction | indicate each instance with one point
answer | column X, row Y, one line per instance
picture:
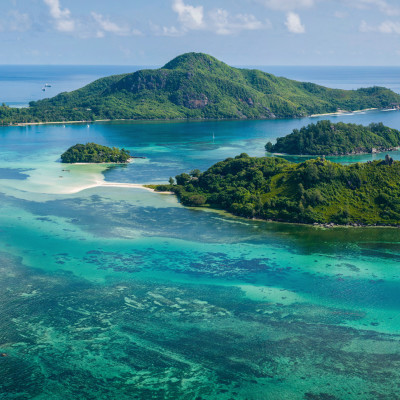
column 182, row 179
column 269, row 147
column 195, row 173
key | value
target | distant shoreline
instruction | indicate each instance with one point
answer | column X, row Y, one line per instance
column 343, row 112
column 184, row 119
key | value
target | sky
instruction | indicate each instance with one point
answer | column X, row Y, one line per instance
column 238, row 32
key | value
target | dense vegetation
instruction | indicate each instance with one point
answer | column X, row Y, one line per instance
column 326, row 138
column 196, row 85
column 315, row 191
column 94, row 153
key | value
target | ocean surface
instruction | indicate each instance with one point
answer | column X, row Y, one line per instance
column 113, row 292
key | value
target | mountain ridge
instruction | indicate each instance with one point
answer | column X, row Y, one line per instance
column 197, row 86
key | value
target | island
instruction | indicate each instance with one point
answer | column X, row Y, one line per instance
column 196, row 86
column 327, row 138
column 315, row 191
column 95, row 153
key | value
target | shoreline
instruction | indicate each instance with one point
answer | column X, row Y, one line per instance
column 333, row 155
column 114, row 184
column 185, row 119
column 343, row 112
column 101, row 163
column 316, row 225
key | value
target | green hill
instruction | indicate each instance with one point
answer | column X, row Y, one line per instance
column 94, row 153
column 315, row 191
column 326, row 138
column 197, row 86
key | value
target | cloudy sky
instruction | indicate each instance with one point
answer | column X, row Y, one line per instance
column 239, row 32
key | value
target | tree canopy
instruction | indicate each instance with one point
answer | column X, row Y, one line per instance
column 313, row 191
column 95, row 153
column 326, row 138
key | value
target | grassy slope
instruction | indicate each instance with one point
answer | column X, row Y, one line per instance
column 312, row 191
column 197, row 85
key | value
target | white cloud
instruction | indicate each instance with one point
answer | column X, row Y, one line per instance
column 166, row 31
column 293, row 23
column 387, row 27
column 171, row 31
column 364, row 27
column 223, row 24
column 191, row 17
column 62, row 17
column 105, row 25
column 219, row 21
column 287, row 5
column 16, row 22
column 340, row 14
column 382, row 5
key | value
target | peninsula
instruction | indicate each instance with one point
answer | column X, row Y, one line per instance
column 196, row 86
column 315, row 191
column 94, row 153
column 326, row 138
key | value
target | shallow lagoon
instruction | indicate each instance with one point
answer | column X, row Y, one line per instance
column 122, row 293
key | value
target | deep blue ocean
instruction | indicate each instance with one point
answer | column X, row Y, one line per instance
column 112, row 292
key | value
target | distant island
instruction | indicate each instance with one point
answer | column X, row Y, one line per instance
column 315, row 191
column 95, row 153
column 326, row 138
column 196, row 86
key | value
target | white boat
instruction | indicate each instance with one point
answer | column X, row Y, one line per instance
column 47, row 85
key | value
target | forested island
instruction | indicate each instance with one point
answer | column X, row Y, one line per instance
column 95, row 153
column 196, row 86
column 326, row 138
column 315, row 191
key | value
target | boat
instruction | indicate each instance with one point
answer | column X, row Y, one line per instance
column 43, row 89
column 47, row 85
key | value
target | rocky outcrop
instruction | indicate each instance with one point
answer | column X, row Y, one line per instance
column 195, row 100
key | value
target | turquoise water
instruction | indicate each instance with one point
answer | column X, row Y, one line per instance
column 121, row 293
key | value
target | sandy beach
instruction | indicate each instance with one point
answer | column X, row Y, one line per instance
column 113, row 184
column 342, row 112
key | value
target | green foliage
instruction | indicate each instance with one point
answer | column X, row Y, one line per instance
column 313, row 191
column 326, row 138
column 196, row 86
column 94, row 153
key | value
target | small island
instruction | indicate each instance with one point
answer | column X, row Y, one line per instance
column 327, row 138
column 95, row 153
column 313, row 192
